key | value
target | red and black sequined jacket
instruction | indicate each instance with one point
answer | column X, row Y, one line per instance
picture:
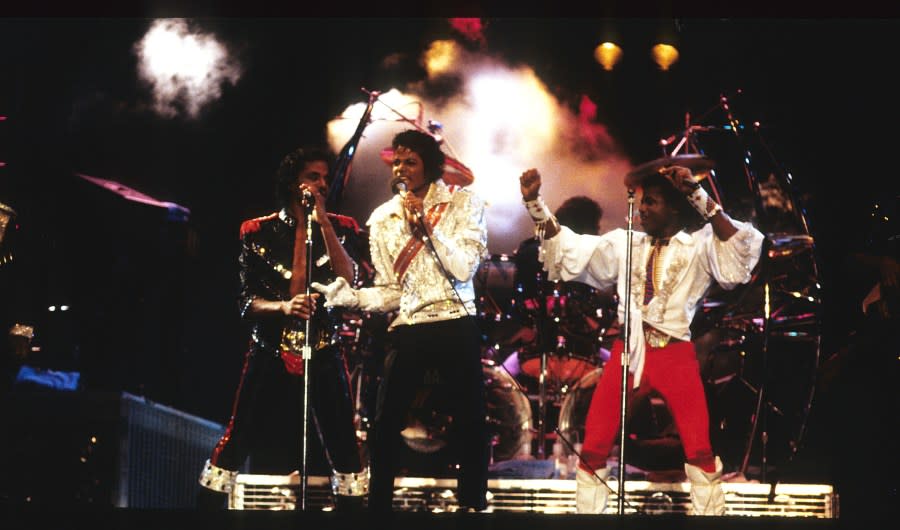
column 267, row 250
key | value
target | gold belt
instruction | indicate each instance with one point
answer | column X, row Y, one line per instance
column 293, row 339
column 656, row 338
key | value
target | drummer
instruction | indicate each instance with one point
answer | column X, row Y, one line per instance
column 582, row 215
column 671, row 271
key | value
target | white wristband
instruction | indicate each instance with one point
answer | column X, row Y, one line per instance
column 538, row 210
column 703, row 203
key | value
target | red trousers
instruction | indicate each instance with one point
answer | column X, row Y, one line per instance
column 672, row 371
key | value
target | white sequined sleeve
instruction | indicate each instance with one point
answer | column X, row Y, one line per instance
column 385, row 293
column 461, row 238
column 731, row 262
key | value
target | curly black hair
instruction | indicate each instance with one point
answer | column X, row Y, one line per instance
column 581, row 214
column 426, row 147
column 291, row 166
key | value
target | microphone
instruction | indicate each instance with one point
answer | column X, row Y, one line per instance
column 398, row 185
column 308, row 198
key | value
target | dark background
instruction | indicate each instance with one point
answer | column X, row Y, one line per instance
column 153, row 299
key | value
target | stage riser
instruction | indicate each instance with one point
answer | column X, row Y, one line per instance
column 272, row 492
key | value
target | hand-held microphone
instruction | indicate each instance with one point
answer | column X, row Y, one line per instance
column 308, row 198
column 398, row 185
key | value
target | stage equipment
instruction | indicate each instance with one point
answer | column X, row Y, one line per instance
column 508, row 416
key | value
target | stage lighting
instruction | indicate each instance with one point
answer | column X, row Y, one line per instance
column 665, row 55
column 608, row 54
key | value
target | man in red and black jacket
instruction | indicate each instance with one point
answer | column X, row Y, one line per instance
column 274, row 265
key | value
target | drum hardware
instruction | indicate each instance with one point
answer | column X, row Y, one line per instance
column 777, row 313
column 755, row 391
column 570, row 322
column 554, row 330
column 762, row 398
column 542, row 407
column 779, row 248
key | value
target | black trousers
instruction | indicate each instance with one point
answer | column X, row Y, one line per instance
column 267, row 416
column 451, row 349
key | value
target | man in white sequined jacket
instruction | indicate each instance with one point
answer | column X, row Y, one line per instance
column 426, row 245
column 671, row 271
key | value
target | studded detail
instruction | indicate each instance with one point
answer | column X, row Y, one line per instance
column 217, row 479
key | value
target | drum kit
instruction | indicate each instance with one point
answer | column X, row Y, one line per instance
column 546, row 335
column 545, row 342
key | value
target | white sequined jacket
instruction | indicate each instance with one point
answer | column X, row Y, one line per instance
column 691, row 262
column 424, row 293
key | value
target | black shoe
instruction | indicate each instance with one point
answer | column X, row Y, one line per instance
column 470, row 505
column 348, row 503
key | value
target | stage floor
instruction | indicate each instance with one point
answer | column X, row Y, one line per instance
column 27, row 518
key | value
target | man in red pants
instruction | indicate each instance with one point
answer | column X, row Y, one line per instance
column 671, row 271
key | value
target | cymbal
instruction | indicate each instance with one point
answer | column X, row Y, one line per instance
column 7, row 210
column 696, row 163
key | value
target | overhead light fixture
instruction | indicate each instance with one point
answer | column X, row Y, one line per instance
column 665, row 55
column 608, row 54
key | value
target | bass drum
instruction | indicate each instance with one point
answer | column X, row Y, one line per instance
column 508, row 417
column 573, row 413
column 653, row 442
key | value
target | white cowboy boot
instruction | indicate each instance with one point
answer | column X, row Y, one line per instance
column 590, row 493
column 707, row 496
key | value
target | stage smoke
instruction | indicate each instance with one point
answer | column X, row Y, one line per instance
column 501, row 121
column 185, row 69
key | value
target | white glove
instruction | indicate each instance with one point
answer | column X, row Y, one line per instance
column 338, row 293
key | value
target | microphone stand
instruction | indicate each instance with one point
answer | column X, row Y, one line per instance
column 307, row 355
column 545, row 361
column 626, row 352
column 542, row 407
